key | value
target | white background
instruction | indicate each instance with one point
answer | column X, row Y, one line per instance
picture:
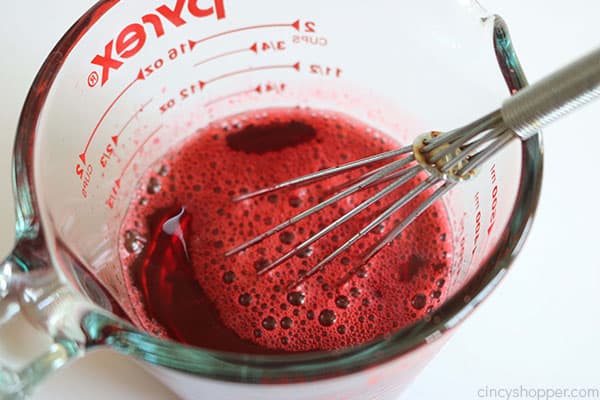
column 540, row 329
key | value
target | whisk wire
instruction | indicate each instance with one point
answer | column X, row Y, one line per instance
column 479, row 158
column 471, row 148
column 484, row 123
column 416, row 191
column 435, row 196
column 411, row 173
column 352, row 189
column 448, row 157
column 326, row 173
column 452, row 147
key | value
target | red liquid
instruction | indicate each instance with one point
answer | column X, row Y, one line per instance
column 183, row 221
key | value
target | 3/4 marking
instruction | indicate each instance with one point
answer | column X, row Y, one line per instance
column 255, row 48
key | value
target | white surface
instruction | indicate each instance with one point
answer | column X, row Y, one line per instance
column 539, row 330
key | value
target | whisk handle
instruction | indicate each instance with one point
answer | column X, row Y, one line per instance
column 554, row 96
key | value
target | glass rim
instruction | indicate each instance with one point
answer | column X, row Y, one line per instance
column 294, row 366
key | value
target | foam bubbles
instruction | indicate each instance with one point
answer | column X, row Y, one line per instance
column 134, row 242
column 327, row 317
column 318, row 315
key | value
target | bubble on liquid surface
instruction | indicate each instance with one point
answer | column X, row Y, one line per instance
column 245, row 299
column 153, row 186
column 418, row 301
column 134, row 242
column 269, row 323
column 286, row 323
column 261, row 264
column 287, row 237
column 163, row 170
column 295, row 201
column 229, row 277
column 342, row 302
column 296, row 298
column 305, row 253
column 327, row 317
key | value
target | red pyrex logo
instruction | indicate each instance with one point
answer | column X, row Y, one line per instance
column 133, row 37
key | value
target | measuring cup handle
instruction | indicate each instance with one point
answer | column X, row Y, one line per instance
column 50, row 306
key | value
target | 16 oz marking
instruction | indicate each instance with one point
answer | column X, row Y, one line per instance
column 173, row 54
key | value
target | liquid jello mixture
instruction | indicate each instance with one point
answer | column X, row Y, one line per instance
column 182, row 220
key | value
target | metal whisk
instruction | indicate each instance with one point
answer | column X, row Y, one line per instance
column 449, row 158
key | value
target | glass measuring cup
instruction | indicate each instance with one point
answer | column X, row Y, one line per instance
column 80, row 229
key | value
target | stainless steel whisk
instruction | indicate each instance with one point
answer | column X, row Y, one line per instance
column 449, row 158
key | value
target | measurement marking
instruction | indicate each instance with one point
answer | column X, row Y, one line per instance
column 278, row 88
column 295, row 66
column 252, row 48
column 135, row 153
column 139, row 77
column 257, row 89
column 115, row 138
column 295, row 25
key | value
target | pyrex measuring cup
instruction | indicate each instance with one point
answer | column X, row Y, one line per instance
column 131, row 79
